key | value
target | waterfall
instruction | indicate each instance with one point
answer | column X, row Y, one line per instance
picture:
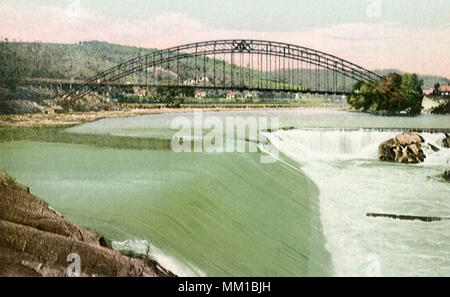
column 308, row 145
column 352, row 182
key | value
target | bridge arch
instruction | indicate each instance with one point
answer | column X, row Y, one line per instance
column 242, row 64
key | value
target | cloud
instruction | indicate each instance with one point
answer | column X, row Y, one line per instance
column 371, row 45
column 363, row 31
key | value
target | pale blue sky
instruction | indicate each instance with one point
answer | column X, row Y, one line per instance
column 268, row 15
column 410, row 35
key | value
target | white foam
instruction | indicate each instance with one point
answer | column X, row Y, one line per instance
column 145, row 248
column 353, row 182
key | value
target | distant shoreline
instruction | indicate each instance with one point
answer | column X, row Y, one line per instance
column 76, row 118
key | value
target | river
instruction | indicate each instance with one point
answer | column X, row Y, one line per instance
column 228, row 214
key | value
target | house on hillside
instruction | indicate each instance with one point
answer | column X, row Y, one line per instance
column 250, row 95
column 428, row 92
column 200, row 94
column 204, row 80
column 231, row 95
column 140, row 92
column 445, row 90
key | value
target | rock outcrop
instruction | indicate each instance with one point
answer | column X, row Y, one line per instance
column 446, row 175
column 434, row 148
column 446, row 141
column 403, row 148
column 36, row 241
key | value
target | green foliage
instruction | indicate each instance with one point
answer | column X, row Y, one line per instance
column 436, row 88
column 444, row 108
column 428, row 80
column 72, row 61
column 12, row 67
column 411, row 88
column 393, row 93
column 170, row 93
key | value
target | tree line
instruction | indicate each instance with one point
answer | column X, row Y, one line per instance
column 393, row 93
column 12, row 67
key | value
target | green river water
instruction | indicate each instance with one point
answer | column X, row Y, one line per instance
column 228, row 214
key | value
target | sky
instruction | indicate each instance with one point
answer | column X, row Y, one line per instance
column 409, row 35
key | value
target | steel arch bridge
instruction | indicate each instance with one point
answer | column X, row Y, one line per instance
column 242, row 65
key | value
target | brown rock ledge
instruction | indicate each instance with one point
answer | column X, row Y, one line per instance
column 35, row 241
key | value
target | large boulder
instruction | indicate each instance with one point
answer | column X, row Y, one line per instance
column 409, row 138
column 403, row 148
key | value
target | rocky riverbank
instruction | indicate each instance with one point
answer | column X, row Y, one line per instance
column 36, row 241
column 75, row 118
column 128, row 110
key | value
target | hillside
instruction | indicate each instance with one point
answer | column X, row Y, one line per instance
column 86, row 59
column 73, row 61
column 83, row 60
column 428, row 80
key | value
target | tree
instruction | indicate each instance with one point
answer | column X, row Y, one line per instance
column 392, row 93
column 437, row 87
column 412, row 93
column 363, row 96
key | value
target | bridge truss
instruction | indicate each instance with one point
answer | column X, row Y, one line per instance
column 243, row 65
